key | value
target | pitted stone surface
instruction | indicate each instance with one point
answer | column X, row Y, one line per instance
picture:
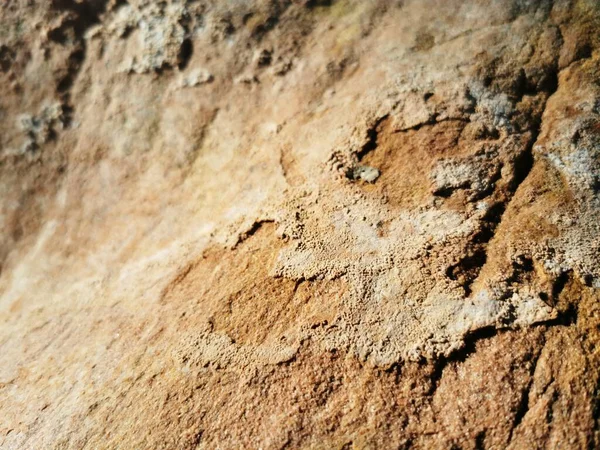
column 299, row 224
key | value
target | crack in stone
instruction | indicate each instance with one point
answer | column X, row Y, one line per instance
column 522, row 168
column 524, row 406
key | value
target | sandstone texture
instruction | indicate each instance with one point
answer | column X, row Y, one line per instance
column 289, row 224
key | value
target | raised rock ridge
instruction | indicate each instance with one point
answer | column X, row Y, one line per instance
column 300, row 224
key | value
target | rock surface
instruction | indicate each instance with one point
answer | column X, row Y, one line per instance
column 300, row 224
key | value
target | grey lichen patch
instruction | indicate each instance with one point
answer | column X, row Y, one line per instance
column 40, row 128
column 401, row 303
column 157, row 30
column 475, row 174
column 575, row 154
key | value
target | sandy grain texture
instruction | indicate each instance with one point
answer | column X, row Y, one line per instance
column 299, row 224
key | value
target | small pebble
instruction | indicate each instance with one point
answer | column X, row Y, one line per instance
column 366, row 173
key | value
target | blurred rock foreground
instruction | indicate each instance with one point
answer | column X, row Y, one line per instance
column 299, row 224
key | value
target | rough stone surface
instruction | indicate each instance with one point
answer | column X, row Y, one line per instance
column 300, row 224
